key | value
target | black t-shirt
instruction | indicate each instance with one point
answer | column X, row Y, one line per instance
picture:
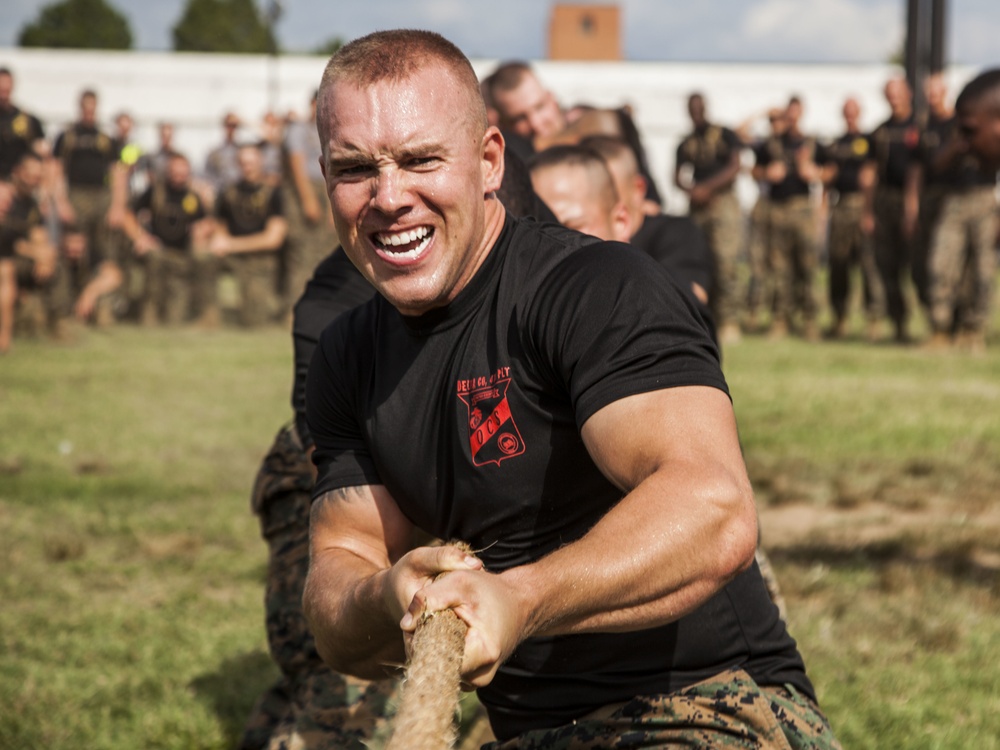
column 172, row 211
column 849, row 153
column 245, row 207
column 87, row 155
column 18, row 131
column 964, row 172
column 677, row 244
column 336, row 286
column 708, row 150
column 894, row 147
column 22, row 216
column 470, row 415
column 785, row 148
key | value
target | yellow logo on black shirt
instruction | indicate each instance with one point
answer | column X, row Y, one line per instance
column 860, row 146
column 190, row 203
column 21, row 126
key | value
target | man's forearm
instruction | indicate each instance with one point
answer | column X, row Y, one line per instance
column 344, row 603
column 638, row 567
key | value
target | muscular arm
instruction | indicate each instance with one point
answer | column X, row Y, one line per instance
column 362, row 577
column 684, row 528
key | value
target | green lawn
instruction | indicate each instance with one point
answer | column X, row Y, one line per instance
column 131, row 569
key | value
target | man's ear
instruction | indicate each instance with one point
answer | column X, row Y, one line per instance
column 639, row 188
column 491, row 154
column 621, row 223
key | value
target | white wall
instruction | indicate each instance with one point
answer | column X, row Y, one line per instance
column 195, row 90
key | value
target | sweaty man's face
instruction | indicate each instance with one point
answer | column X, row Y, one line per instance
column 530, row 110
column 409, row 173
column 567, row 190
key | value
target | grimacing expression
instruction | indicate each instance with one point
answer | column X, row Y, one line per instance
column 409, row 169
column 530, row 110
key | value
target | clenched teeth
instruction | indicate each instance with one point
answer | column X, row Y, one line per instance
column 387, row 239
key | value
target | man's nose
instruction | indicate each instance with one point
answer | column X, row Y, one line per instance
column 390, row 191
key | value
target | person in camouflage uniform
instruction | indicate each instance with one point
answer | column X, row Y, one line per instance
column 708, row 160
column 310, row 706
column 85, row 158
column 963, row 246
column 846, row 168
column 248, row 242
column 28, row 262
column 787, row 162
column 171, row 252
column 892, row 202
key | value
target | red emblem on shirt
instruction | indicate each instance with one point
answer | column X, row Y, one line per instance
column 493, row 436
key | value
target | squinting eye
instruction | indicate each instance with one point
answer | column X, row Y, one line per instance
column 353, row 170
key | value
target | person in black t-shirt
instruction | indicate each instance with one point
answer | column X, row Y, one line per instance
column 19, row 130
column 85, row 157
column 27, row 257
column 168, row 231
column 978, row 112
column 556, row 405
column 249, row 238
column 675, row 242
column 708, row 160
column 847, row 169
column 892, row 205
column 787, row 163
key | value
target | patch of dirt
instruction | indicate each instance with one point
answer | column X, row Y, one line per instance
column 935, row 522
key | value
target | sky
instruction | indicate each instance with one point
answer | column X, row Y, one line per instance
column 683, row 30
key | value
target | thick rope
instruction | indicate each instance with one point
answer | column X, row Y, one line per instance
column 429, row 695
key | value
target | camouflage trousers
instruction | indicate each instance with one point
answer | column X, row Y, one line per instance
column 310, row 706
column 759, row 291
column 722, row 222
column 257, row 279
column 964, row 246
column 727, row 711
column 170, row 278
column 308, row 243
column 793, row 258
column 850, row 247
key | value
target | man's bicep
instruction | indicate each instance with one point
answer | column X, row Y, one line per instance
column 687, row 426
column 363, row 520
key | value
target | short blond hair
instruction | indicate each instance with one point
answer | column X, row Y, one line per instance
column 397, row 55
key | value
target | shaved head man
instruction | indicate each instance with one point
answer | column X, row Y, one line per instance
column 577, row 185
column 539, row 395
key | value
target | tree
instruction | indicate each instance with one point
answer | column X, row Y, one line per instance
column 223, row 26
column 79, row 24
column 329, row 47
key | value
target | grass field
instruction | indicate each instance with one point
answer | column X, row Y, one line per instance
column 131, row 570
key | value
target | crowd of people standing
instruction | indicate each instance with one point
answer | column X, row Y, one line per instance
column 109, row 232
column 96, row 230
